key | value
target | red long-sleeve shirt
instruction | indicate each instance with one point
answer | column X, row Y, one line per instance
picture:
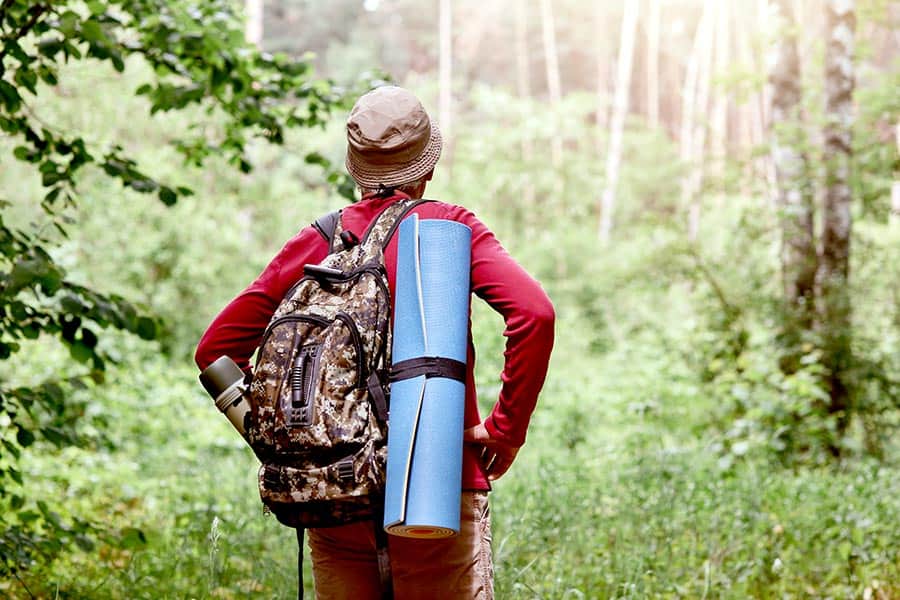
column 495, row 277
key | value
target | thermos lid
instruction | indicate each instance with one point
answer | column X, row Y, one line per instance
column 220, row 375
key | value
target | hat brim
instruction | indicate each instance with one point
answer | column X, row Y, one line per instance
column 371, row 176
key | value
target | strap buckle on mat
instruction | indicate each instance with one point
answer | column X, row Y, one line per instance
column 429, row 366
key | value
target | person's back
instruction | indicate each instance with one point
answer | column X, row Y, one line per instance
column 392, row 151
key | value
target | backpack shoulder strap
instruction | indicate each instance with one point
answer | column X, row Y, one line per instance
column 326, row 225
column 393, row 214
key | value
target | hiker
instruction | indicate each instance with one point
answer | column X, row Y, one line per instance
column 393, row 148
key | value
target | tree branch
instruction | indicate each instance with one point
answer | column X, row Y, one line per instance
column 37, row 11
column 3, row 8
column 713, row 283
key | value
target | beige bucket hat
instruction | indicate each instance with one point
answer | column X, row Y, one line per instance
column 390, row 139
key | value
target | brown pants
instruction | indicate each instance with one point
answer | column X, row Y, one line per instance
column 345, row 565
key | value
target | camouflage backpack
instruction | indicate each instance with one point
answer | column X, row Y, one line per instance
column 318, row 417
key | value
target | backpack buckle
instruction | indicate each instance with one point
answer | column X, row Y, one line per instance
column 345, row 470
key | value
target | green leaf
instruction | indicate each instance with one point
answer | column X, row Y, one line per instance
column 96, row 7
column 15, row 475
column 117, row 61
column 48, row 75
column 28, row 271
column 50, row 47
column 24, row 153
column 24, row 437
column 27, row 79
column 55, row 436
column 92, row 31
column 10, row 96
column 68, row 23
column 72, row 304
column 28, row 516
column 147, row 328
column 88, row 338
column 132, row 539
column 167, row 196
column 84, row 542
column 12, row 449
column 81, row 351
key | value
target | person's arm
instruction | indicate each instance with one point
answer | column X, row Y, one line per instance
column 238, row 329
column 529, row 317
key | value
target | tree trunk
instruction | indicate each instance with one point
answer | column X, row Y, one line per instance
column 554, row 86
column 617, row 122
column 445, row 71
column 688, row 104
column 719, row 124
column 253, row 31
column 895, row 188
column 523, row 86
column 793, row 195
column 603, row 70
column 698, row 137
column 834, row 268
column 752, row 128
column 653, row 64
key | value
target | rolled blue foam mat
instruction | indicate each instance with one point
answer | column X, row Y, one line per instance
column 431, row 318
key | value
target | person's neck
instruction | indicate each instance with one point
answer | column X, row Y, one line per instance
column 393, row 196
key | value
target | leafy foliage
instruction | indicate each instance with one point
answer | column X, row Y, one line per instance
column 199, row 62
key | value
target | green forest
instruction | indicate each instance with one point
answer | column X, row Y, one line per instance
column 709, row 192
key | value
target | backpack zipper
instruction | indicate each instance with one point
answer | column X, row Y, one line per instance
column 370, row 267
column 346, row 319
column 310, row 318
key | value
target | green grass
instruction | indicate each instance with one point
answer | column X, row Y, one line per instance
column 615, row 495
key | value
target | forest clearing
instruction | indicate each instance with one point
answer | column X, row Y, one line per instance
column 708, row 191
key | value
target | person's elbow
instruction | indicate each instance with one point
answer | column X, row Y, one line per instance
column 542, row 315
column 202, row 356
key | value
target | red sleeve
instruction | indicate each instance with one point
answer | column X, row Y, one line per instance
column 238, row 329
column 528, row 313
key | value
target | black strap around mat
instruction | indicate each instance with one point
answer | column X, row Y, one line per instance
column 429, row 366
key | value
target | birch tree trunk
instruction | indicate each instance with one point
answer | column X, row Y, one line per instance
column 653, row 64
column 253, row 31
column 719, row 125
column 751, row 115
column 445, row 71
column 688, row 104
column 834, row 268
column 617, row 123
column 895, row 187
column 523, row 86
column 698, row 137
column 603, row 69
column 793, row 194
column 763, row 21
column 554, row 86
